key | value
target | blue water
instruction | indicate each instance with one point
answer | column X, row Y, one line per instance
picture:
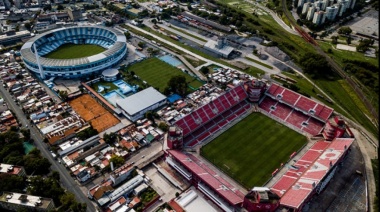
column 170, row 60
column 173, row 98
column 124, row 87
column 113, row 96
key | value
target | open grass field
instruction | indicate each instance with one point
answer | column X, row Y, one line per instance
column 71, row 51
column 158, row 73
column 252, row 149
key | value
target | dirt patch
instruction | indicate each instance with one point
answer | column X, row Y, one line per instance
column 91, row 111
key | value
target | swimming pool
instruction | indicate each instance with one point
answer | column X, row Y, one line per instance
column 124, row 87
column 113, row 96
column 171, row 60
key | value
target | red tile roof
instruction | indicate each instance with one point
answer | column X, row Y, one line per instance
column 295, row 186
column 217, row 183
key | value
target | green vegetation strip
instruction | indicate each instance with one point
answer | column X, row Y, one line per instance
column 71, row 51
column 195, row 51
column 158, row 73
column 258, row 62
column 252, row 149
column 186, row 33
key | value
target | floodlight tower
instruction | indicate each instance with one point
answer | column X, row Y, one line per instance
column 42, row 75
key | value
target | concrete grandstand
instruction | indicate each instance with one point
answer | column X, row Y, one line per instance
column 112, row 40
column 299, row 113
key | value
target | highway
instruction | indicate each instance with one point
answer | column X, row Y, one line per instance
column 66, row 180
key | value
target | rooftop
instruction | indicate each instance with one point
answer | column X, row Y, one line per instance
column 296, row 185
column 141, row 100
column 26, row 200
column 217, row 183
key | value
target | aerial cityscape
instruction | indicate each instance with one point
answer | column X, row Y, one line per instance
column 185, row 105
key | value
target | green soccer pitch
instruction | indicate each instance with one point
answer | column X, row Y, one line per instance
column 252, row 149
column 71, row 51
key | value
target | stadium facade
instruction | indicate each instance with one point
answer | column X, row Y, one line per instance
column 299, row 113
column 112, row 40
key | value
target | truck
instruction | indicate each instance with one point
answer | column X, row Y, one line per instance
column 174, row 37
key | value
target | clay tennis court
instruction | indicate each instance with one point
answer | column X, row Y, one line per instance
column 92, row 112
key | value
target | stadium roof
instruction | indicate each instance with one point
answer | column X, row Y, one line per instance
column 141, row 100
column 296, row 185
column 110, row 72
column 26, row 49
column 212, row 179
column 289, row 97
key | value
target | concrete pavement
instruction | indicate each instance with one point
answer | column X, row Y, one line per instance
column 187, row 51
column 66, row 180
column 150, row 24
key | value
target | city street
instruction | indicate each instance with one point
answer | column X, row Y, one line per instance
column 66, row 180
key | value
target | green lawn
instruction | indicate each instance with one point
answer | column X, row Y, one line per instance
column 157, row 73
column 71, row 51
column 252, row 149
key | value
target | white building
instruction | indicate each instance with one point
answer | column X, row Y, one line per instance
column 301, row 2
column 306, row 7
column 352, row 5
column 331, row 12
column 219, row 47
column 310, row 13
column 319, row 17
column 135, row 106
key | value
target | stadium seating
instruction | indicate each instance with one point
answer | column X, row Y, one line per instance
column 217, row 124
column 98, row 36
column 205, row 113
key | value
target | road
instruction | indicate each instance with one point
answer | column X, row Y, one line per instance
column 168, row 29
column 66, row 180
column 275, row 17
column 336, row 68
column 191, row 53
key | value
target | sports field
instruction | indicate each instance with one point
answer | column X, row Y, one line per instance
column 252, row 149
column 158, row 73
column 71, row 51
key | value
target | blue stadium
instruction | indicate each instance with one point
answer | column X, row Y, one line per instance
column 112, row 40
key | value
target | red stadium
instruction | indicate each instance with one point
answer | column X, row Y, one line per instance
column 307, row 176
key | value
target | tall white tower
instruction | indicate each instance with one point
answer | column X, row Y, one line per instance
column 38, row 62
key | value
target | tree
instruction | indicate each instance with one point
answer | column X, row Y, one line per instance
column 117, row 161
column 141, row 44
column 334, row 39
column 63, row 94
column 178, row 84
column 189, row 7
column 28, row 26
column 163, row 126
column 154, row 21
column 127, row 35
column 60, row 7
column 344, row 30
column 12, row 183
column 348, row 40
column 25, row 133
column 69, row 202
column 315, row 64
column 110, row 138
column 204, row 70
